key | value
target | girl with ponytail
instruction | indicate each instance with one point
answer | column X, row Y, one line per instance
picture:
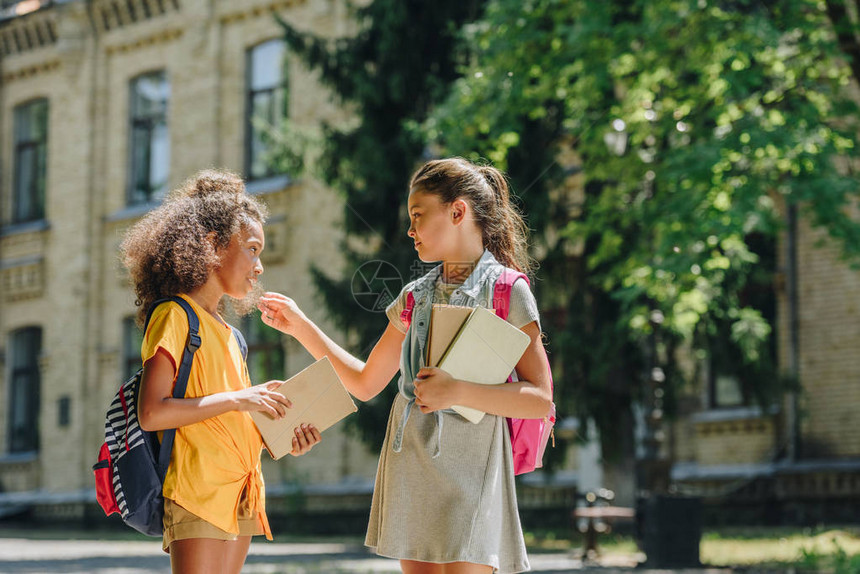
column 444, row 500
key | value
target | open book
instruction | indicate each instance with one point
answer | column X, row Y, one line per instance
column 318, row 398
column 483, row 348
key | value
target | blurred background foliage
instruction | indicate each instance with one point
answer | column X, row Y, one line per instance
column 655, row 147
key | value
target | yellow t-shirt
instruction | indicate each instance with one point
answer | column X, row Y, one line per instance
column 215, row 460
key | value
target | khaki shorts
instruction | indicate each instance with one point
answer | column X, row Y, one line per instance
column 179, row 524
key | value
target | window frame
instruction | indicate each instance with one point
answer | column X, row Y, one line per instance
column 251, row 94
column 28, row 375
column 759, row 293
column 714, row 401
column 131, row 360
column 149, row 123
column 271, row 345
column 38, row 195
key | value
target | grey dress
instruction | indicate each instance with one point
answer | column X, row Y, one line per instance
column 446, row 492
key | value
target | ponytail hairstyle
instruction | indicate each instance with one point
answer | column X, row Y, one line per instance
column 175, row 247
column 485, row 188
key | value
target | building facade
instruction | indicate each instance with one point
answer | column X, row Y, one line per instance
column 106, row 105
column 797, row 461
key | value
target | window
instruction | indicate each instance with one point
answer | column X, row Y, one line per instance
column 726, row 390
column 266, row 360
column 64, row 411
column 26, row 346
column 132, row 339
column 31, row 158
column 149, row 150
column 733, row 380
column 267, row 104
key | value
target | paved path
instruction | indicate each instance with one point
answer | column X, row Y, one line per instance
column 19, row 555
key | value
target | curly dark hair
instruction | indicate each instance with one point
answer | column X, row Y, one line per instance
column 169, row 251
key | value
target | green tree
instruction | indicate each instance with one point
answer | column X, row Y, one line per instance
column 654, row 145
column 390, row 74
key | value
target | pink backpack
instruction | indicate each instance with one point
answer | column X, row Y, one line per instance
column 529, row 437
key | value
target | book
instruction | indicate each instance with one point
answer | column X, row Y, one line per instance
column 484, row 350
column 445, row 322
column 319, row 399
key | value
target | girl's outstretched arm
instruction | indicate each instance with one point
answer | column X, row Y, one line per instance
column 363, row 380
column 528, row 398
column 158, row 410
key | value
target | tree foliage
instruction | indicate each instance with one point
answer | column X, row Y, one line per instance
column 654, row 145
column 390, row 74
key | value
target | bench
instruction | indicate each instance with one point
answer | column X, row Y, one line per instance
column 600, row 518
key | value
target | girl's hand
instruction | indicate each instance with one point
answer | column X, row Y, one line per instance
column 281, row 313
column 264, row 398
column 435, row 390
column 306, row 437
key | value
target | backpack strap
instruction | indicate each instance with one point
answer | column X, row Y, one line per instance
column 502, row 291
column 243, row 346
column 182, row 372
column 502, row 299
column 529, row 437
column 406, row 314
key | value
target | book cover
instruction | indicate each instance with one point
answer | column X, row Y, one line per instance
column 485, row 351
column 445, row 322
column 318, row 398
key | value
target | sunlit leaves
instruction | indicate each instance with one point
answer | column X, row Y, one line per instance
column 693, row 122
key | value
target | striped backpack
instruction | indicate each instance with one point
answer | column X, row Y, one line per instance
column 529, row 437
column 131, row 466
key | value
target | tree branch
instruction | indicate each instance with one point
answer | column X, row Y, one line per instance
column 330, row 57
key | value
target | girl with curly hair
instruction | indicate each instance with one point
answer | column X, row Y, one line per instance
column 203, row 243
